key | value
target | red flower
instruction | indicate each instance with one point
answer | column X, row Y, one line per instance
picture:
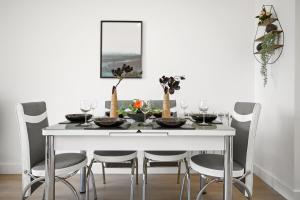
column 137, row 104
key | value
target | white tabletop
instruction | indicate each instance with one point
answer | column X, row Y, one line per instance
column 134, row 130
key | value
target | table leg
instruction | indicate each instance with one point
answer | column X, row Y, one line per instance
column 228, row 162
column 82, row 188
column 50, row 172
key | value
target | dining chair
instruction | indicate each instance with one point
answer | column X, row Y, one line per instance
column 117, row 159
column 211, row 166
column 163, row 158
column 32, row 118
column 122, row 163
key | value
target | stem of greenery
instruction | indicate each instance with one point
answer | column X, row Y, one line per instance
column 267, row 51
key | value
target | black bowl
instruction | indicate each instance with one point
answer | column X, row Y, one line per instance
column 78, row 118
column 170, row 122
column 109, row 122
column 208, row 117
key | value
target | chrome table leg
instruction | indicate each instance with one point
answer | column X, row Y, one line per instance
column 228, row 160
column 50, row 172
column 82, row 177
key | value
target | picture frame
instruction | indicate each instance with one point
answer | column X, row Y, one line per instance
column 121, row 43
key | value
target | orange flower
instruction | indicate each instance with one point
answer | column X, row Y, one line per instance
column 138, row 104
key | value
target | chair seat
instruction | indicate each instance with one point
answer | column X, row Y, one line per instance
column 213, row 165
column 166, row 156
column 65, row 164
column 114, row 156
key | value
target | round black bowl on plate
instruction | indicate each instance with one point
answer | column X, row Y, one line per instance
column 170, row 122
column 209, row 118
column 109, row 121
column 78, row 118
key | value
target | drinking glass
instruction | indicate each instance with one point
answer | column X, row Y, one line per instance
column 221, row 116
column 184, row 106
column 85, row 107
column 146, row 108
column 94, row 105
column 203, row 107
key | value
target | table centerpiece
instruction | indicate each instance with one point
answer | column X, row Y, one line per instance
column 169, row 85
column 119, row 73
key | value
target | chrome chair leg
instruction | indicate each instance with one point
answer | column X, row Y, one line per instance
column 136, row 171
column 188, row 186
column 29, row 186
column 203, row 189
column 103, row 173
column 132, row 180
column 144, row 179
column 94, row 185
column 237, row 181
column 182, row 186
column 179, row 171
column 89, row 173
column 68, row 184
column 44, row 195
column 202, row 182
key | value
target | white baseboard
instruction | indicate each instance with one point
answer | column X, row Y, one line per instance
column 275, row 183
column 296, row 194
column 10, row 168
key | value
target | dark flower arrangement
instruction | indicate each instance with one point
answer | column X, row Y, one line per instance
column 120, row 73
column 263, row 16
column 170, row 84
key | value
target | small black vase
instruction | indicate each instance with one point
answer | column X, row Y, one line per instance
column 271, row 27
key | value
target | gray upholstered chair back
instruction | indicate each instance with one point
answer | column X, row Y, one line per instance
column 155, row 104
column 245, row 119
column 32, row 119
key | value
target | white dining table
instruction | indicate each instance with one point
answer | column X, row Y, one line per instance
column 70, row 137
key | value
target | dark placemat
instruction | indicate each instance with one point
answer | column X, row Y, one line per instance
column 184, row 127
column 124, row 126
column 199, row 123
column 68, row 122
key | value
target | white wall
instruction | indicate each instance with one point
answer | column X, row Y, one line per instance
column 50, row 51
column 297, row 104
column 274, row 157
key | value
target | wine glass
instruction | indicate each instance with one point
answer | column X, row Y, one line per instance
column 94, row 105
column 85, row 107
column 221, row 116
column 146, row 108
column 184, row 106
column 203, row 107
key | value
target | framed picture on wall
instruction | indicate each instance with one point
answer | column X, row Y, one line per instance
column 121, row 43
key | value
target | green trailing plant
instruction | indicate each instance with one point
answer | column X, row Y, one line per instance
column 267, row 50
